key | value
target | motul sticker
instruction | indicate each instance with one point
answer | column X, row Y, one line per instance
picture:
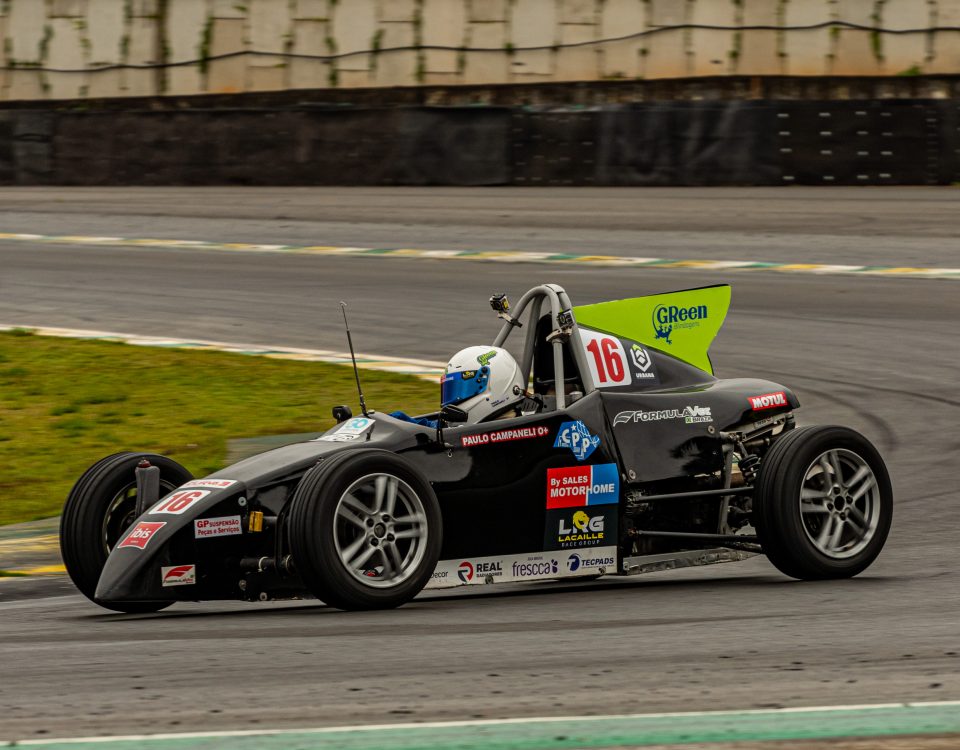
column 141, row 534
column 179, row 575
column 207, row 528
column 179, row 502
column 214, row 484
column 768, row 401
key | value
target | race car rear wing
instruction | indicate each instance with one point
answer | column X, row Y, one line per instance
column 682, row 324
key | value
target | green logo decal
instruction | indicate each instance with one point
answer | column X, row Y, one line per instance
column 484, row 359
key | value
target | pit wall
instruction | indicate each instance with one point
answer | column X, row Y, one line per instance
column 75, row 49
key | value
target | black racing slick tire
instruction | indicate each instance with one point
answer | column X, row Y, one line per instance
column 365, row 530
column 99, row 510
column 823, row 503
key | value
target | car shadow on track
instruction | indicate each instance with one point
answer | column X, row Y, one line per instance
column 438, row 599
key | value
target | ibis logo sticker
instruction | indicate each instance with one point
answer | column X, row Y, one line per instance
column 768, row 401
column 670, row 318
column 178, row 575
column 141, row 534
column 576, row 436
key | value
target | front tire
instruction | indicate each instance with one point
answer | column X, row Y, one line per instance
column 99, row 510
column 365, row 530
column 823, row 503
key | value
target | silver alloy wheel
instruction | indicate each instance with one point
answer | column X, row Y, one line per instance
column 839, row 503
column 380, row 530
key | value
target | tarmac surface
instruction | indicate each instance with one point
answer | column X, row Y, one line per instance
column 877, row 354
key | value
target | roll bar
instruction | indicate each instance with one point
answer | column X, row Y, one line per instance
column 566, row 329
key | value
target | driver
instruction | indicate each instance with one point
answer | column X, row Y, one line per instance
column 484, row 381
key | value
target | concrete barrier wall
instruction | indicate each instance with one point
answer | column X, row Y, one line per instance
column 68, row 49
column 880, row 142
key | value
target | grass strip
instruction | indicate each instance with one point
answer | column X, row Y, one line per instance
column 65, row 403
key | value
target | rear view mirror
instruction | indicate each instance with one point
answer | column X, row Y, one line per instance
column 453, row 414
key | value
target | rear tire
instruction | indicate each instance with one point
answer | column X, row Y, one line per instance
column 365, row 530
column 823, row 503
column 99, row 510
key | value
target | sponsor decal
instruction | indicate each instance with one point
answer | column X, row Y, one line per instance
column 484, row 359
column 525, row 566
column 576, row 437
column 214, row 484
column 178, row 575
column 591, row 526
column 502, row 436
column 689, row 414
column 535, row 567
column 479, row 570
column 578, row 486
column 581, row 561
column 178, row 502
column 768, row 401
column 352, row 429
column 141, row 534
column 207, row 528
column 642, row 364
column 670, row 318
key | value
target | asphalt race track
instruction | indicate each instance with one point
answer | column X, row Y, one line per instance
column 878, row 354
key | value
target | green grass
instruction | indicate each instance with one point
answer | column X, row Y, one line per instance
column 64, row 404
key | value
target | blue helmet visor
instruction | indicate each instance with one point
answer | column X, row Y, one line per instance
column 459, row 386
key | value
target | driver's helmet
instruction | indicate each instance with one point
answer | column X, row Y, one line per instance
column 481, row 380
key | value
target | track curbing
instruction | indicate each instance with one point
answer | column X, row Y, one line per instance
column 496, row 256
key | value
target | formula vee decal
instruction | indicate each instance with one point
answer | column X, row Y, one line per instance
column 577, row 486
column 178, row 575
column 524, row 567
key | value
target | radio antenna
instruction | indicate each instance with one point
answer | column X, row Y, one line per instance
column 353, row 358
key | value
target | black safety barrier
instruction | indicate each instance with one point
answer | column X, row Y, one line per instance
column 867, row 142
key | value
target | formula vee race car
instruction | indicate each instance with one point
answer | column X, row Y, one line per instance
column 627, row 456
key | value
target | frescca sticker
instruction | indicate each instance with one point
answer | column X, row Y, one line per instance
column 352, row 429
column 578, row 486
column 140, row 535
column 576, row 437
column 207, row 528
column 768, row 401
column 178, row 575
column 178, row 502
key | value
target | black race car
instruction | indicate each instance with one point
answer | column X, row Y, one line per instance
column 629, row 457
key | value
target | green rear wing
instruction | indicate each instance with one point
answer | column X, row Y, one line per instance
column 682, row 324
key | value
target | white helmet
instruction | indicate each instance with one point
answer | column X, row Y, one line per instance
column 481, row 380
